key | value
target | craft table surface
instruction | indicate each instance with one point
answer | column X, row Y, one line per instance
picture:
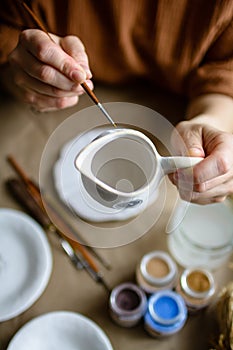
column 24, row 134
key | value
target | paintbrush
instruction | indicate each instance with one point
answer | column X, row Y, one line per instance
column 84, row 85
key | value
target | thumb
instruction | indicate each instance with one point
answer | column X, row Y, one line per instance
column 195, row 151
column 193, row 143
column 187, row 140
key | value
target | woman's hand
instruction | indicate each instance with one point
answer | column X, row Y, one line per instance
column 47, row 73
column 212, row 179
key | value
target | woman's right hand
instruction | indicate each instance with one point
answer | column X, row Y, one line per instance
column 47, row 73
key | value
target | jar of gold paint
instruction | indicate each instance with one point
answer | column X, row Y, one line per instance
column 156, row 271
column 197, row 287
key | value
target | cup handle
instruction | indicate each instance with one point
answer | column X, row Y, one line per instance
column 171, row 164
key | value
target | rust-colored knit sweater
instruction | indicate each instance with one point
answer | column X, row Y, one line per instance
column 182, row 45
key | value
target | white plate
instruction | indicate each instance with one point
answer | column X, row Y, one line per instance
column 204, row 236
column 25, row 262
column 60, row 330
column 71, row 190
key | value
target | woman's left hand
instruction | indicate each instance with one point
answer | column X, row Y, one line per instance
column 211, row 180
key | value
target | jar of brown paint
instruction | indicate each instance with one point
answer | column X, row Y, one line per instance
column 127, row 304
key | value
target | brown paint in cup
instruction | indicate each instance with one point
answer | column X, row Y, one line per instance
column 127, row 304
column 127, row 299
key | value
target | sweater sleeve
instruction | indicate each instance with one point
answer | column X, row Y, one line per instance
column 8, row 35
column 8, row 38
column 215, row 73
column 13, row 19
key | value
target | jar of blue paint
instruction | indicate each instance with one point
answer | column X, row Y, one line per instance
column 166, row 314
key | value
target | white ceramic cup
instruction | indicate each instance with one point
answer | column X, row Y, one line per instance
column 121, row 168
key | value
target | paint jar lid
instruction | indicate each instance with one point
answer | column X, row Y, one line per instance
column 198, row 283
column 158, row 268
column 167, row 312
column 128, row 301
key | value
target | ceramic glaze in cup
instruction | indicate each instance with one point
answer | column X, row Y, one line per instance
column 127, row 304
column 156, row 271
column 166, row 314
column 197, row 287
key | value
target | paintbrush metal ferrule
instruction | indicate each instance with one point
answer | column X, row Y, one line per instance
column 71, row 254
column 103, row 110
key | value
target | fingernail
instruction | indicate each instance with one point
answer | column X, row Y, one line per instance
column 78, row 76
column 90, row 84
column 88, row 73
column 196, row 152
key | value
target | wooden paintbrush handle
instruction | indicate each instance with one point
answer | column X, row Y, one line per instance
column 34, row 189
column 90, row 93
column 68, row 234
column 19, row 191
